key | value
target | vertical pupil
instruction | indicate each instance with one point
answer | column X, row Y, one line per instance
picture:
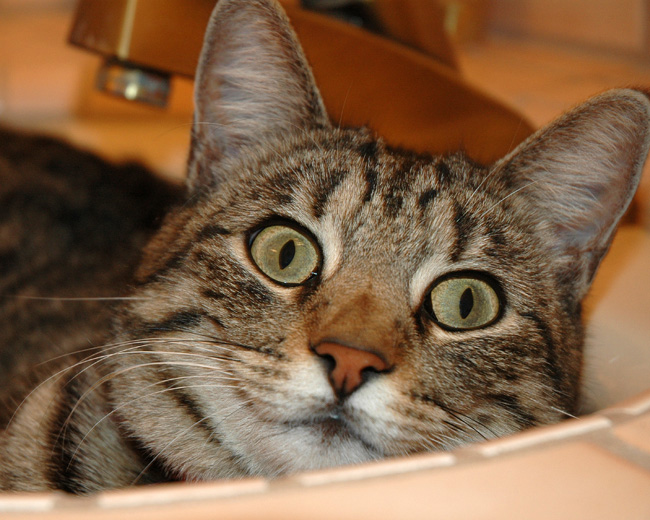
column 287, row 253
column 466, row 303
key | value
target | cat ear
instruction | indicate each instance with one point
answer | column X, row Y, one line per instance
column 578, row 175
column 252, row 83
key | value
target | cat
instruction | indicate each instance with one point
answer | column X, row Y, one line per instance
column 313, row 298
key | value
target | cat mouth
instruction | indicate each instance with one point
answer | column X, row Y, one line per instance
column 331, row 427
column 335, row 427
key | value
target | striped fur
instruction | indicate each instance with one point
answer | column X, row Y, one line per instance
column 209, row 369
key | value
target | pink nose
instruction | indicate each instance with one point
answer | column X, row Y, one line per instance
column 350, row 364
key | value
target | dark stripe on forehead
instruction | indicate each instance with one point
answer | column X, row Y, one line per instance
column 464, row 225
column 371, row 183
column 402, row 174
column 368, row 150
column 427, row 197
column 279, row 188
column 394, row 202
column 443, row 171
column 326, row 187
column 496, row 235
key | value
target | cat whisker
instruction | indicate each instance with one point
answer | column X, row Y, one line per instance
column 345, row 100
column 480, row 185
column 146, row 396
column 167, row 353
column 97, row 358
column 176, row 127
column 105, row 347
column 437, row 440
column 79, row 298
column 213, row 339
column 116, row 373
column 93, row 360
column 467, row 420
column 155, row 458
column 240, row 405
column 511, row 194
column 562, row 412
column 54, row 377
column 514, row 135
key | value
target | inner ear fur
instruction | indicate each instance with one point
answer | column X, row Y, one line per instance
column 578, row 175
column 253, row 83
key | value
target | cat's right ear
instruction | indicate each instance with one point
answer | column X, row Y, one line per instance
column 577, row 176
column 253, row 83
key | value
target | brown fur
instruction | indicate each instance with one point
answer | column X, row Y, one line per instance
column 212, row 370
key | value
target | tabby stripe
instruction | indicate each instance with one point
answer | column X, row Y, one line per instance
column 210, row 231
column 254, row 292
column 156, row 472
column 426, row 198
column 187, row 404
column 334, row 179
column 444, row 173
column 496, row 234
column 212, row 294
column 394, row 203
column 216, row 321
column 512, row 405
column 454, row 426
column 371, row 184
column 464, row 225
column 554, row 371
column 183, row 320
column 464, row 422
column 368, row 150
column 65, row 472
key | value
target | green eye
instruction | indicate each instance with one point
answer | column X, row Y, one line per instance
column 285, row 255
column 463, row 303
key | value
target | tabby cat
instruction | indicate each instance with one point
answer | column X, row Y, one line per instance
column 315, row 298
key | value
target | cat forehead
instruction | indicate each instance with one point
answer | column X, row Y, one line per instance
column 347, row 166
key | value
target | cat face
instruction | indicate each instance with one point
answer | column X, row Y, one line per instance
column 322, row 299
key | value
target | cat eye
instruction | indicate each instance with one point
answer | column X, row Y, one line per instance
column 285, row 254
column 463, row 302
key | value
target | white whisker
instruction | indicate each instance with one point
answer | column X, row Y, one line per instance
column 146, row 396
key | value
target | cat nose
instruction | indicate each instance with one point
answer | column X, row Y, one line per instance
column 351, row 366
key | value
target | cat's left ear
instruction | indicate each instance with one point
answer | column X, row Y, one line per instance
column 577, row 176
column 253, row 82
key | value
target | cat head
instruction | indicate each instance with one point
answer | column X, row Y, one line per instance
column 323, row 299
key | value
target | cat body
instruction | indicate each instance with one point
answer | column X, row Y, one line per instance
column 319, row 298
column 71, row 234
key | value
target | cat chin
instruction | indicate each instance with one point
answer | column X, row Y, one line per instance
column 318, row 445
column 321, row 439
